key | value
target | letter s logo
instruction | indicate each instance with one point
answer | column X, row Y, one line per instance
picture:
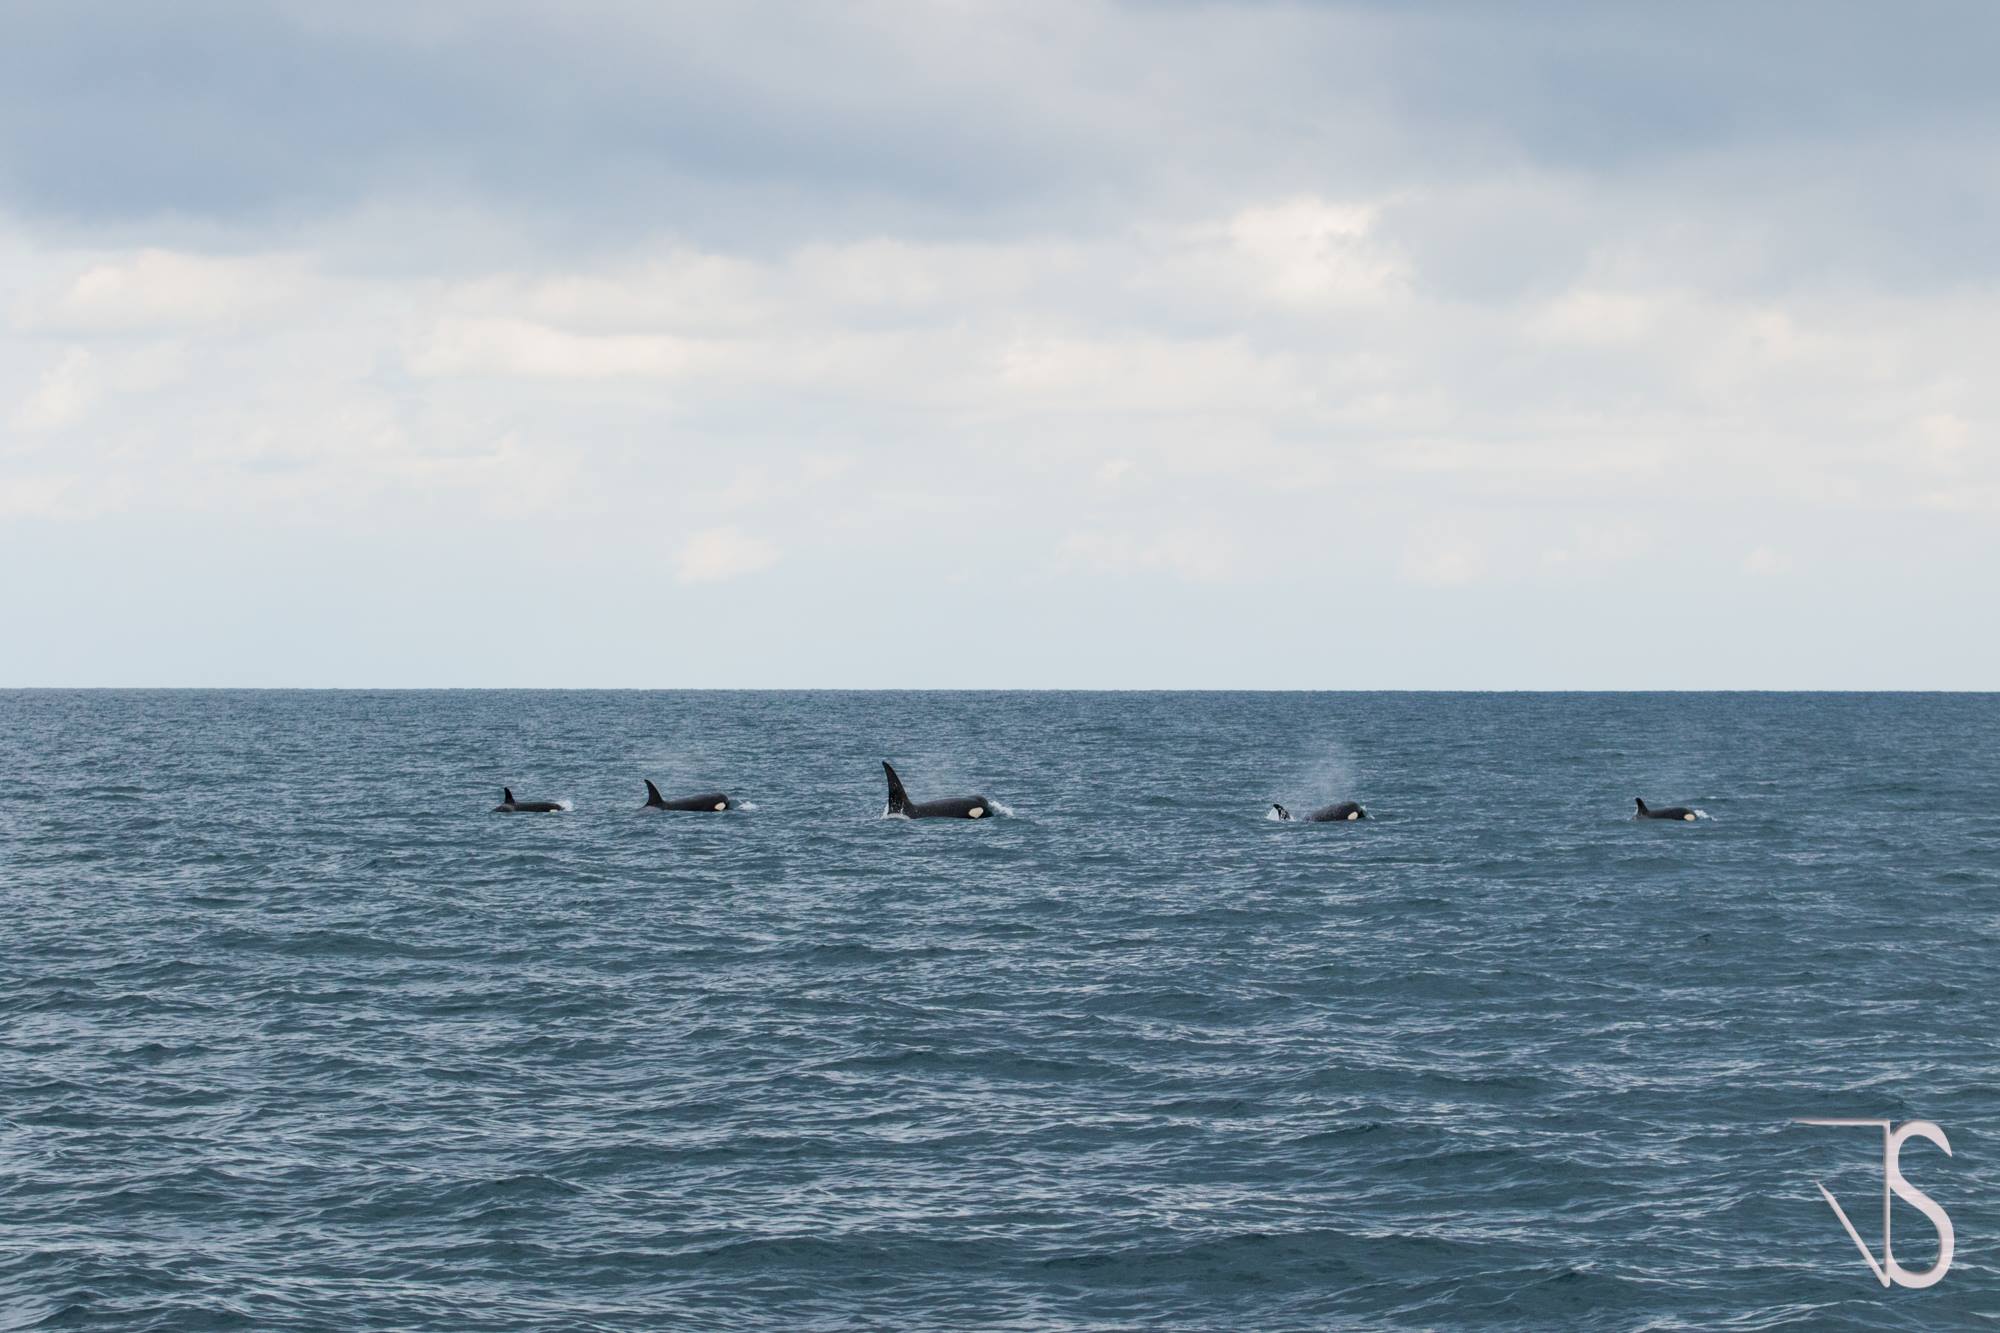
column 1892, row 1171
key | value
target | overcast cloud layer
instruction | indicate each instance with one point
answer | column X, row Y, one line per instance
column 963, row 344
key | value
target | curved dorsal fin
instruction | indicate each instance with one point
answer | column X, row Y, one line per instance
column 899, row 799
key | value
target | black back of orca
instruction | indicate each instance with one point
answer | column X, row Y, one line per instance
column 509, row 806
column 1329, row 814
column 952, row 807
column 714, row 800
column 1679, row 812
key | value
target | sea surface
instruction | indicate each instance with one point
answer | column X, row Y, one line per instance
column 295, row 1034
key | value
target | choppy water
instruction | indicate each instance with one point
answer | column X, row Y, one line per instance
column 294, row 1034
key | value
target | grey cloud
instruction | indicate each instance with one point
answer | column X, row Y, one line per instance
column 112, row 113
column 1844, row 138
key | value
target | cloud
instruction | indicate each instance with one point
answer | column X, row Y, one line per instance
column 154, row 289
column 1766, row 562
column 1438, row 556
column 720, row 554
column 1158, row 295
column 1130, row 373
column 1316, row 253
column 1189, row 554
column 1599, row 549
column 1596, row 316
column 520, row 348
column 1943, row 441
column 53, row 497
column 63, row 395
column 85, row 381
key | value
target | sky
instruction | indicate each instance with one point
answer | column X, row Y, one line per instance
column 1012, row 344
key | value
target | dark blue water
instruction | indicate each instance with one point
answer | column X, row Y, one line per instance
column 295, row 1035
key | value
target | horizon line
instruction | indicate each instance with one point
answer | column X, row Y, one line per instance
column 994, row 689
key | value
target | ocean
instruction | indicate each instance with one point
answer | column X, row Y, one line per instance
column 296, row 1034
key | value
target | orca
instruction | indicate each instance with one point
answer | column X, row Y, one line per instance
column 1670, row 812
column 714, row 800
column 1331, row 814
column 509, row 806
column 951, row 807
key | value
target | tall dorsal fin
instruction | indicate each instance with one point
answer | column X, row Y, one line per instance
column 507, row 796
column 653, row 796
column 899, row 800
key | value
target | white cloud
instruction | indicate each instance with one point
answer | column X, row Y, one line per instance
column 1596, row 316
column 1304, row 256
column 57, row 497
column 1962, row 500
column 673, row 289
column 517, row 347
column 1440, row 556
column 1045, row 361
column 1766, row 562
column 1943, row 441
column 1124, row 373
column 718, row 554
column 1195, row 555
column 893, row 275
column 85, row 382
column 63, row 395
column 1316, row 252
column 1150, row 400
column 154, row 289
column 1599, row 549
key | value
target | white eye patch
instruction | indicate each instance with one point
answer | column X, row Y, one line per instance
column 975, row 812
column 722, row 805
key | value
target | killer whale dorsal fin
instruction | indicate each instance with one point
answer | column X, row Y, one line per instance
column 653, row 796
column 1641, row 804
column 506, row 796
column 899, row 800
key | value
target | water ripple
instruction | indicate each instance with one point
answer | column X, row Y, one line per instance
column 298, row 1036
